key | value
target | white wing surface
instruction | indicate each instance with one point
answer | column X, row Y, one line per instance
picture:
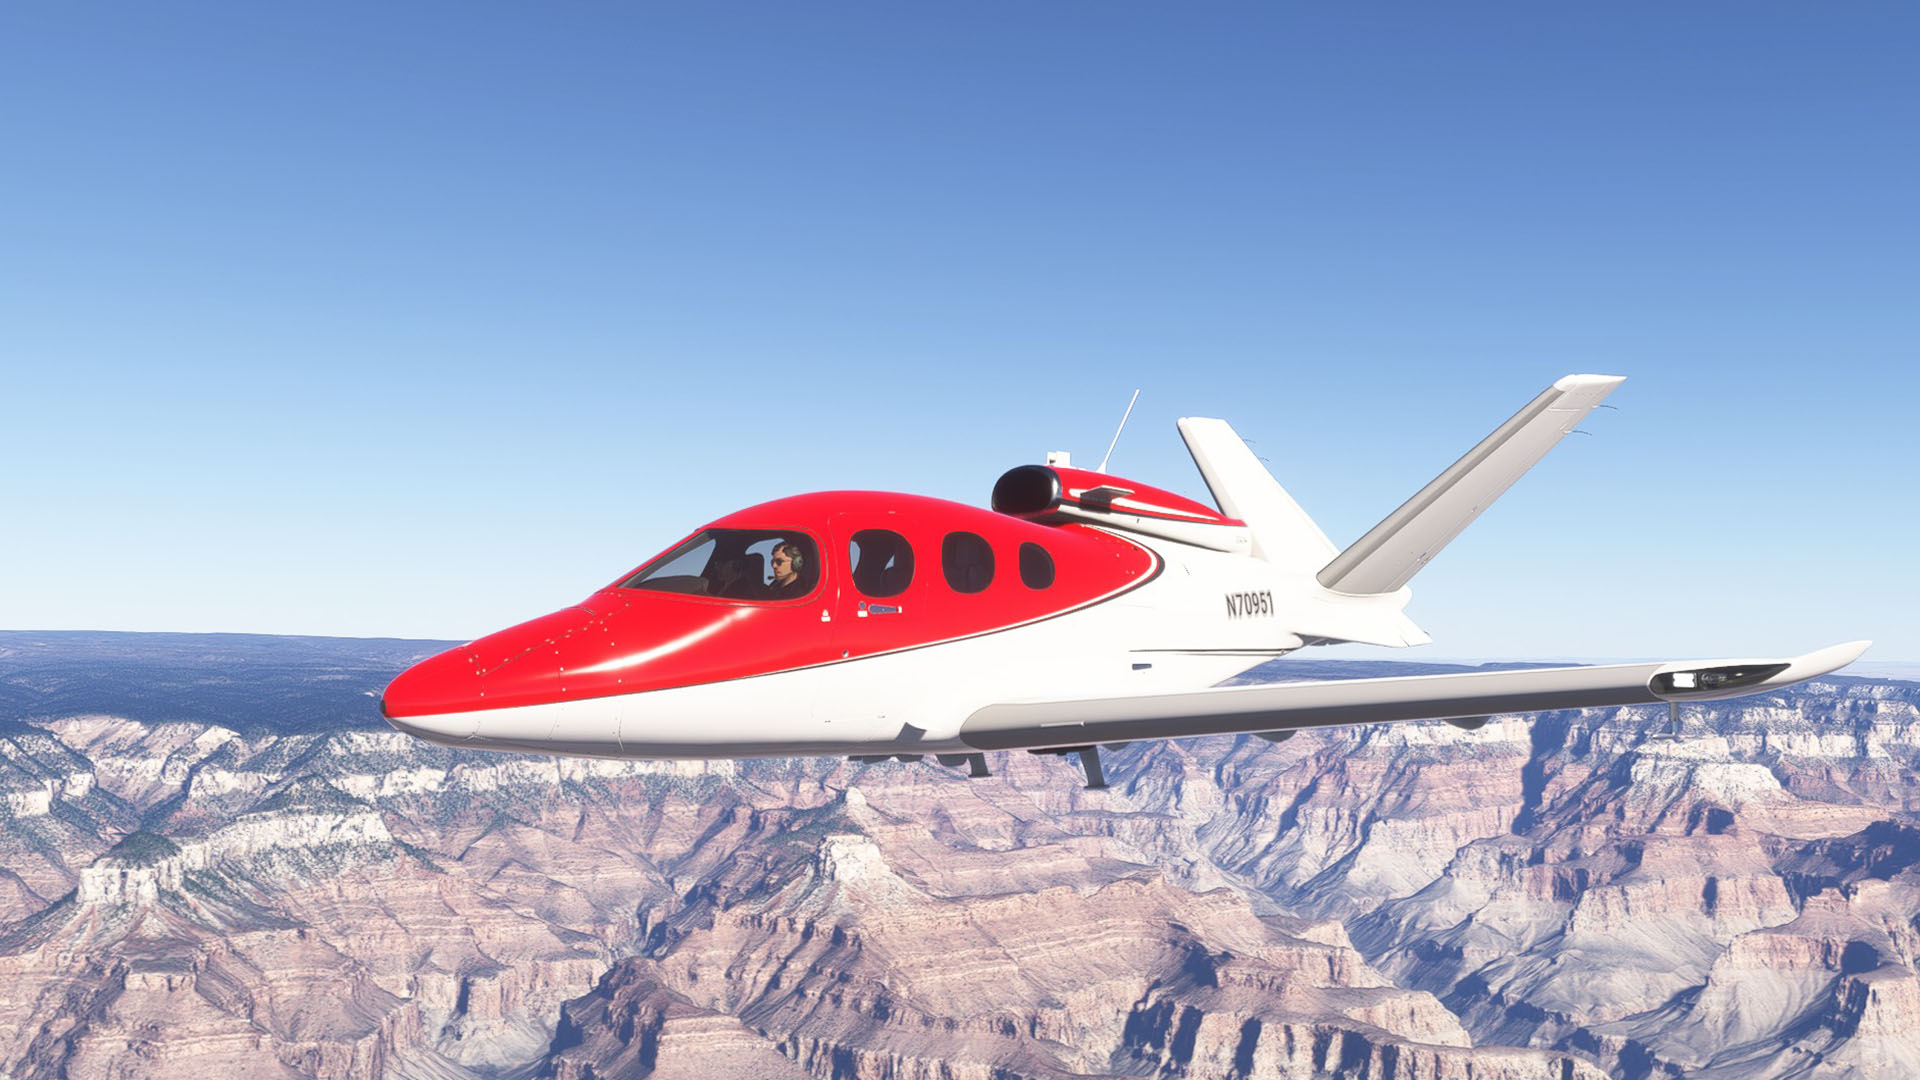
column 1035, row 725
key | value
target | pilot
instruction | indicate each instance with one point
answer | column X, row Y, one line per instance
column 788, row 561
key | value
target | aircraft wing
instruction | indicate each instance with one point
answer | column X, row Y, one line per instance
column 1037, row 725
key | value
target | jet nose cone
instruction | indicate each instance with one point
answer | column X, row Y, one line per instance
column 437, row 699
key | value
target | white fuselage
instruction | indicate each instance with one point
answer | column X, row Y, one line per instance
column 1206, row 616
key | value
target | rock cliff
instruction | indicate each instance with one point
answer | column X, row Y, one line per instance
column 1559, row 896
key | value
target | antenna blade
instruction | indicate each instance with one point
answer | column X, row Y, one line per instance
column 1116, row 432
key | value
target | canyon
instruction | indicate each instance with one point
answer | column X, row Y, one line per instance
column 217, row 858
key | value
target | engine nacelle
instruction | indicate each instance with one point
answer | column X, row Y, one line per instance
column 1058, row 493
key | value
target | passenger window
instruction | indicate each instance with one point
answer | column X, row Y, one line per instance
column 1036, row 566
column 967, row 561
column 881, row 561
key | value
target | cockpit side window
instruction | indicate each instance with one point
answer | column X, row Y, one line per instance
column 882, row 562
column 735, row 564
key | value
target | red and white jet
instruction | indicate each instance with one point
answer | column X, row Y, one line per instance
column 1082, row 609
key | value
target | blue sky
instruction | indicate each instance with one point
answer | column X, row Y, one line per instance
column 421, row 319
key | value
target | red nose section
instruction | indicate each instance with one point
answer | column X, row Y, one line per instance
column 521, row 665
column 447, row 683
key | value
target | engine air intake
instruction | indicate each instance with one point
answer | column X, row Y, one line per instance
column 1026, row 491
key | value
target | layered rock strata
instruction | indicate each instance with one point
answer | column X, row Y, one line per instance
column 1560, row 896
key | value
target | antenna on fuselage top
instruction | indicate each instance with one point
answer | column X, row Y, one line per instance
column 1117, row 431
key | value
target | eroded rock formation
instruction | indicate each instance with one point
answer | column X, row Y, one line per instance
column 1560, row 896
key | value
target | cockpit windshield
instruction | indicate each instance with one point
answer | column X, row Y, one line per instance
column 738, row 564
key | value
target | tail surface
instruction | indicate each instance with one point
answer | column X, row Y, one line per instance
column 1283, row 534
column 1406, row 540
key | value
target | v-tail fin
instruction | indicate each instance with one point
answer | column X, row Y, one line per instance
column 1406, row 540
column 1283, row 534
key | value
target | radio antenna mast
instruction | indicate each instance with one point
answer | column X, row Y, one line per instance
column 1117, row 431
